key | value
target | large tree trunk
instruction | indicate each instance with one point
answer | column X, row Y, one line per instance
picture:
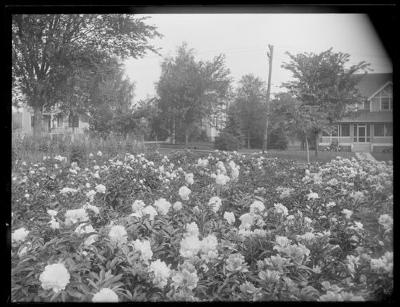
column 37, row 124
column 308, row 152
column 316, row 144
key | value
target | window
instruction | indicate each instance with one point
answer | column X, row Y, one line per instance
column 325, row 133
column 345, row 130
column 367, row 105
column 385, row 103
column 335, row 131
column 73, row 121
column 59, row 120
column 388, row 129
column 379, row 130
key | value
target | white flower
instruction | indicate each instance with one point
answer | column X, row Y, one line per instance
column 52, row 213
column 99, row 153
column 82, row 228
column 76, row 215
column 138, row 205
column 184, row 193
column 95, row 209
column 54, row 224
column 189, row 178
column 19, row 235
column 22, row 252
column 161, row 273
column 90, row 155
column 90, row 240
column 257, row 207
column 192, row 229
column 347, row 213
column 330, row 204
column 149, row 210
column 221, row 179
column 282, row 241
column 281, row 209
column 91, row 194
column 118, row 234
column 100, row 188
column 190, row 246
column 202, row 162
column 177, row 206
column 312, row 195
column 55, row 276
column 215, row 203
column 386, row 221
column 105, row 295
column 68, row 190
column 229, row 217
column 208, row 247
column 162, row 205
column 144, row 248
column 247, row 221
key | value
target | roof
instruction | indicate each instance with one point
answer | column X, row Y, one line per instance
column 372, row 82
column 374, row 117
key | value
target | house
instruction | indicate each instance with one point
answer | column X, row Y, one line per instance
column 53, row 123
column 370, row 129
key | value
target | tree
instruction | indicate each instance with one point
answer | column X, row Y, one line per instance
column 45, row 47
column 249, row 101
column 324, row 86
column 190, row 91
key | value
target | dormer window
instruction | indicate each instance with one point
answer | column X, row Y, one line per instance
column 383, row 100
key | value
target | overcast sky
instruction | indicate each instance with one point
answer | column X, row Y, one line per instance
column 244, row 38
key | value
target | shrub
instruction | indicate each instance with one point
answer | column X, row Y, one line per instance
column 226, row 141
column 77, row 153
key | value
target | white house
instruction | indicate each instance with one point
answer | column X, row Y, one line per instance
column 53, row 123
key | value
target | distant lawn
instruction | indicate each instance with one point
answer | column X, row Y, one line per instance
column 380, row 156
column 323, row 156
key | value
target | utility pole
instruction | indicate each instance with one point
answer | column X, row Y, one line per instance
column 270, row 54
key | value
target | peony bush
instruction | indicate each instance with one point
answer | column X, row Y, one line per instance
column 190, row 227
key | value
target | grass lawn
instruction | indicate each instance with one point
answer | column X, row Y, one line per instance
column 380, row 156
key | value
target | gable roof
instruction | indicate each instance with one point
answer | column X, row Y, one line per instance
column 372, row 82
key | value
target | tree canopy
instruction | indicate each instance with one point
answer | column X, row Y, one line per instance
column 52, row 54
column 324, row 85
column 191, row 91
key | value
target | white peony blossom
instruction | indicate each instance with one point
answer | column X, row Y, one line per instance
column 177, row 206
column 189, row 178
column 118, row 234
column 149, row 210
column 347, row 213
column 221, row 179
column 68, row 190
column 202, row 162
column 161, row 273
column 100, row 188
column 105, row 295
column 95, row 209
column 162, row 205
column 99, row 153
column 386, row 221
column 91, row 194
column 281, row 209
column 229, row 217
column 54, row 224
column 312, row 195
column 76, row 215
column 82, row 229
column 138, row 205
column 52, row 213
column 55, row 276
column 247, row 221
column 19, row 235
column 144, row 248
column 192, row 229
column 190, row 246
column 209, row 247
column 215, row 203
column 90, row 240
column 257, row 207
column 184, row 192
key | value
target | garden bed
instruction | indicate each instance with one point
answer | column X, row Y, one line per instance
column 201, row 227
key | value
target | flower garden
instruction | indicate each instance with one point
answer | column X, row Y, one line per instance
column 191, row 227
